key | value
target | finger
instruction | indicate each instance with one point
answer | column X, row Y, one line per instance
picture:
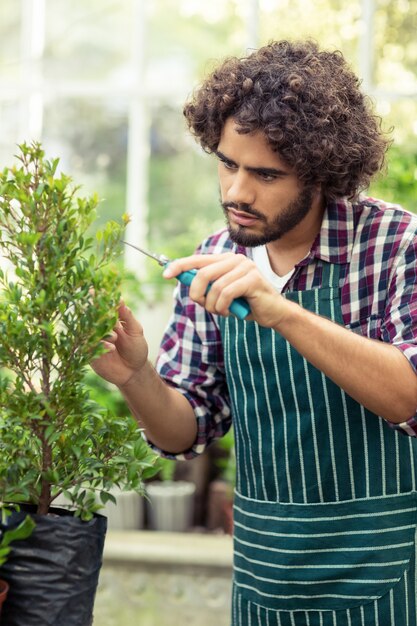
column 234, row 284
column 110, row 347
column 111, row 337
column 127, row 323
column 195, row 261
column 107, row 349
column 238, row 288
column 218, row 275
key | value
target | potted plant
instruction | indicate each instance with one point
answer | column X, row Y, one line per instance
column 170, row 501
column 58, row 299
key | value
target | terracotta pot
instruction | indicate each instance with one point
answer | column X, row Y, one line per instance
column 220, row 507
column 228, row 517
column 4, row 588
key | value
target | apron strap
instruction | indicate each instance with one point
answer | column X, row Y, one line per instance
column 330, row 274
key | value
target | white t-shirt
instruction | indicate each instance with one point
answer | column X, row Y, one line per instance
column 261, row 260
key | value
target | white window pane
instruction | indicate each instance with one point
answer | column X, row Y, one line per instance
column 10, row 11
column 90, row 138
column 8, row 131
column 87, row 40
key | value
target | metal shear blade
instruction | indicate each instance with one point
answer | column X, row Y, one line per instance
column 159, row 258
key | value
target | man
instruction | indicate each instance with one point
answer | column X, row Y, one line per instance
column 320, row 380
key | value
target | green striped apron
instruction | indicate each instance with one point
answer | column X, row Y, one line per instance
column 325, row 505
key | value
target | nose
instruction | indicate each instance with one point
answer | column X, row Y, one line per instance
column 239, row 189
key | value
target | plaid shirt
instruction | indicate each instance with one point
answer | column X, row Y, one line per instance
column 376, row 246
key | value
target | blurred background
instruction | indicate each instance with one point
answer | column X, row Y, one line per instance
column 102, row 84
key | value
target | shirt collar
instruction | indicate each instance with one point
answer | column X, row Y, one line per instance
column 335, row 240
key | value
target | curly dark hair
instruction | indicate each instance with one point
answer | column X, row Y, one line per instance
column 308, row 104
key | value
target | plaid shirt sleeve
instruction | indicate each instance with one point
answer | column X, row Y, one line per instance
column 400, row 324
column 191, row 359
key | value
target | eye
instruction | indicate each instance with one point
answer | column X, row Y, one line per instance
column 229, row 166
column 267, row 177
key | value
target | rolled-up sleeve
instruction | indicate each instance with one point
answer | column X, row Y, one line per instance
column 400, row 323
column 191, row 359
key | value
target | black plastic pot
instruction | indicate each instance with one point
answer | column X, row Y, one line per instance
column 53, row 575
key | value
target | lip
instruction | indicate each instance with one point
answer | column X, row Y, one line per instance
column 243, row 219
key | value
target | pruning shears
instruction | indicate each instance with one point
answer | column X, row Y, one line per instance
column 239, row 307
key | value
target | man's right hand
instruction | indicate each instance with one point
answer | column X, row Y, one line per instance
column 127, row 350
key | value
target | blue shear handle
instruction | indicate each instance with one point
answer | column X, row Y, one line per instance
column 239, row 306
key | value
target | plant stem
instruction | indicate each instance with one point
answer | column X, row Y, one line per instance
column 45, row 496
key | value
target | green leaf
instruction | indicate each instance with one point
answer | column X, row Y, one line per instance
column 105, row 497
column 22, row 531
